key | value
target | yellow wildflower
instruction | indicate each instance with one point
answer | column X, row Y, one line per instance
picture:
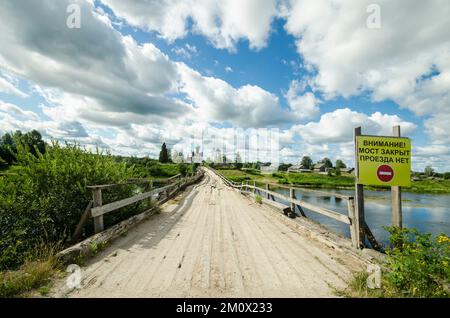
column 443, row 239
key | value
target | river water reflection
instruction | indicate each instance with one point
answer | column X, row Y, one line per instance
column 426, row 212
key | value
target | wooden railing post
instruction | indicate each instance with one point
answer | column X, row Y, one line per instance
column 359, row 198
column 254, row 186
column 353, row 226
column 98, row 220
column 292, row 196
column 267, row 191
column 396, row 194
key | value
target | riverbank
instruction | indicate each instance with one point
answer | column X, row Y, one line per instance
column 316, row 180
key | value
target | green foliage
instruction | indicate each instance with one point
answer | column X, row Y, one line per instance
column 43, row 201
column 447, row 175
column 284, row 166
column 164, row 154
column 337, row 171
column 307, row 162
column 195, row 167
column 32, row 141
column 95, row 247
column 183, row 168
column 418, row 264
column 327, row 162
column 340, row 164
column 429, row 171
column 258, row 199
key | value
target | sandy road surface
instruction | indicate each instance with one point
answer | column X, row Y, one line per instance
column 215, row 243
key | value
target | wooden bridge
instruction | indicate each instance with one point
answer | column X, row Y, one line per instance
column 215, row 240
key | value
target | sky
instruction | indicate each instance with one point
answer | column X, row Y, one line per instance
column 134, row 74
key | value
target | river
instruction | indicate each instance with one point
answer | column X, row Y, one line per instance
column 425, row 212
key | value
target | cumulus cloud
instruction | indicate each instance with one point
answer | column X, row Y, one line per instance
column 186, row 52
column 394, row 62
column 215, row 99
column 94, row 62
column 337, row 126
column 303, row 105
column 7, row 87
column 224, row 23
column 437, row 128
column 16, row 110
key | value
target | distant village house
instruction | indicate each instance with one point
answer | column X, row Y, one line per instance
column 298, row 168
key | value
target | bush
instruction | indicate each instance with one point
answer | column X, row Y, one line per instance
column 183, row 168
column 43, row 201
column 418, row 264
column 447, row 175
column 195, row 167
column 258, row 199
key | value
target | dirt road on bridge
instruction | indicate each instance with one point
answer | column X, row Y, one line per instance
column 215, row 242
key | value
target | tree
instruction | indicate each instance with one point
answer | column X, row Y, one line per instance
column 164, row 154
column 429, row 171
column 7, row 149
column 327, row 162
column 31, row 141
column 195, row 167
column 183, row 168
column 238, row 161
column 340, row 164
column 307, row 162
column 284, row 166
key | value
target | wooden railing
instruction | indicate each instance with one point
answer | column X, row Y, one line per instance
column 349, row 219
column 97, row 210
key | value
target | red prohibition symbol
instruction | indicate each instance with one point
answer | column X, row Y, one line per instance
column 385, row 173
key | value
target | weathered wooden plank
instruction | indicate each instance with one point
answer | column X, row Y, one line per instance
column 97, row 211
column 83, row 219
column 353, row 225
column 317, row 192
column 332, row 214
column 373, row 241
column 292, row 196
column 133, row 181
column 98, row 219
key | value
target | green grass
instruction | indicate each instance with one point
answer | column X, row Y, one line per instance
column 357, row 288
column 31, row 275
column 317, row 180
column 35, row 273
column 430, row 186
